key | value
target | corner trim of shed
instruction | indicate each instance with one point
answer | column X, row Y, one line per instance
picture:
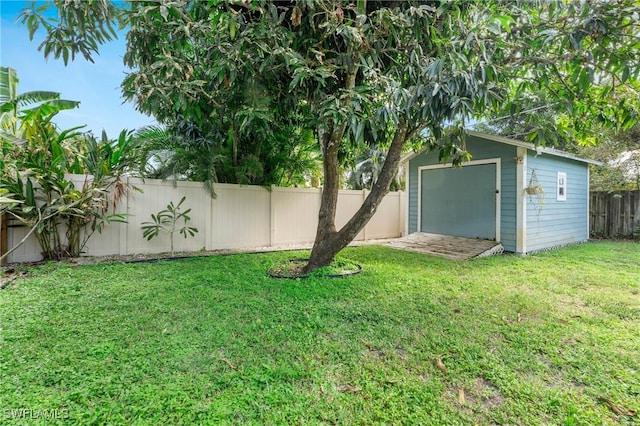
column 521, row 207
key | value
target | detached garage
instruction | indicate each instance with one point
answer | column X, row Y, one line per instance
column 527, row 198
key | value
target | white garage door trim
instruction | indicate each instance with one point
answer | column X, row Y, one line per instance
column 496, row 161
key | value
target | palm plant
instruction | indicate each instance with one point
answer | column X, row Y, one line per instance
column 296, row 158
column 368, row 165
column 44, row 197
column 184, row 151
column 36, row 158
column 104, row 163
column 175, row 154
column 18, row 108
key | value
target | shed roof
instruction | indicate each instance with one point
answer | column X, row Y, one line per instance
column 515, row 142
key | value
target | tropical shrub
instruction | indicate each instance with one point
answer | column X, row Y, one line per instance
column 37, row 159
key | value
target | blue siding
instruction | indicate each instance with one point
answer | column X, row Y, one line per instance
column 480, row 149
column 557, row 222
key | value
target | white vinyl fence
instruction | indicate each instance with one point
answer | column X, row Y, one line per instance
column 239, row 217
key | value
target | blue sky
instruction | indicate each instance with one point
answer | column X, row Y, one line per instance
column 96, row 86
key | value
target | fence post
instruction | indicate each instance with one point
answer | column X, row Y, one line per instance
column 400, row 224
column 208, row 229
column 635, row 221
column 364, row 229
column 272, row 218
column 4, row 237
column 123, row 235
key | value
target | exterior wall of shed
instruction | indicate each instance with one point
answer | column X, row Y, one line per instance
column 556, row 223
column 480, row 149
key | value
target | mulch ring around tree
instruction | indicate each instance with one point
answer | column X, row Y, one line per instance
column 294, row 268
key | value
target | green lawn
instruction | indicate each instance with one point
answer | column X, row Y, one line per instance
column 552, row 338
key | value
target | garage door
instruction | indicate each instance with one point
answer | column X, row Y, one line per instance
column 459, row 201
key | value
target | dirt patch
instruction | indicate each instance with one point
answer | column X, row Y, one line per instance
column 485, row 393
column 480, row 398
column 402, row 354
column 10, row 276
column 294, row 268
column 375, row 354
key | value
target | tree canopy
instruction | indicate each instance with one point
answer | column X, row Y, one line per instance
column 383, row 73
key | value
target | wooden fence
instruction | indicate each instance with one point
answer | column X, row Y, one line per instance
column 239, row 217
column 615, row 214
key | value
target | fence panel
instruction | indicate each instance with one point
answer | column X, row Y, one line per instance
column 615, row 214
column 349, row 201
column 240, row 217
column 154, row 198
column 28, row 252
column 294, row 215
column 387, row 221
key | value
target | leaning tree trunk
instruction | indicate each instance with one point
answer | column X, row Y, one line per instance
column 329, row 241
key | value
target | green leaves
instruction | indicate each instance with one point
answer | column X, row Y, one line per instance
column 36, row 160
column 581, row 59
column 17, row 109
column 230, row 78
column 168, row 221
column 79, row 27
column 6, row 200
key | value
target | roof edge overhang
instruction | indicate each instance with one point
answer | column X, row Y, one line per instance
column 514, row 142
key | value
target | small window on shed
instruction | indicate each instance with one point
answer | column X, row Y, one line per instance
column 562, row 186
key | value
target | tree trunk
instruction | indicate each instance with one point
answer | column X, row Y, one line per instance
column 328, row 241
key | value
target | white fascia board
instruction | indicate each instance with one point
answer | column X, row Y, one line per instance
column 514, row 142
column 532, row 147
